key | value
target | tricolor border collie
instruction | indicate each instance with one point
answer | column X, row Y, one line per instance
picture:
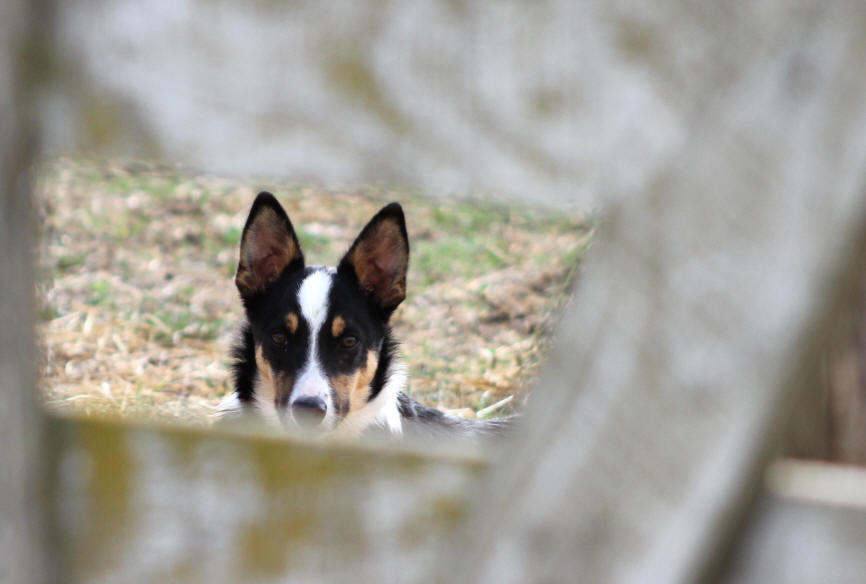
column 316, row 350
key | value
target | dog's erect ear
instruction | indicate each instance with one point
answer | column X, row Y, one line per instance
column 379, row 258
column 269, row 246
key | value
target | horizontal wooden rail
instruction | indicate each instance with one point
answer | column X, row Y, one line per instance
column 155, row 504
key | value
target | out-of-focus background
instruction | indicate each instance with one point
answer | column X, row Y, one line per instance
column 673, row 193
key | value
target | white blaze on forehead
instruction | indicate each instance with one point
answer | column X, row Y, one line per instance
column 313, row 299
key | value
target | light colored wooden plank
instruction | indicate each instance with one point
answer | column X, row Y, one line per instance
column 707, row 303
column 520, row 99
column 817, row 482
column 142, row 504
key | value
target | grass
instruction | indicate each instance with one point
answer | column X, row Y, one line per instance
column 138, row 306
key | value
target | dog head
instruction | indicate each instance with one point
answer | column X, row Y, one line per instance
column 319, row 336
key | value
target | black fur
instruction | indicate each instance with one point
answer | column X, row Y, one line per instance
column 244, row 364
column 386, row 357
column 420, row 421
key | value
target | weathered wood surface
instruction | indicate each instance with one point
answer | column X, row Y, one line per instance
column 20, row 561
column 791, row 542
column 543, row 101
column 809, row 527
column 708, row 300
column 138, row 504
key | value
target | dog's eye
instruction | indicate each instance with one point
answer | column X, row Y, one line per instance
column 349, row 341
column 279, row 338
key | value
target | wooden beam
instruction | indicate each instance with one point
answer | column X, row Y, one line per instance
column 150, row 504
column 708, row 300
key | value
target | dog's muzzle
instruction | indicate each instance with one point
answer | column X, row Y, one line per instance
column 309, row 412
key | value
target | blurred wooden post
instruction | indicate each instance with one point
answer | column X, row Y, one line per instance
column 20, row 560
column 697, row 338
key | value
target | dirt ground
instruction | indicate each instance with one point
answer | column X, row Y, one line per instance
column 138, row 306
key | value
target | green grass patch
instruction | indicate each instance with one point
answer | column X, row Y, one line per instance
column 232, row 236
column 316, row 244
column 454, row 257
column 100, row 293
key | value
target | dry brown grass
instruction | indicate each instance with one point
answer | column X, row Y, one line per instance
column 138, row 304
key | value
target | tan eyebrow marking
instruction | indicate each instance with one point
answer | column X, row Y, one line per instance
column 292, row 322
column 338, row 326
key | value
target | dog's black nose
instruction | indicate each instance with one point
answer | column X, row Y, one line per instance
column 309, row 411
